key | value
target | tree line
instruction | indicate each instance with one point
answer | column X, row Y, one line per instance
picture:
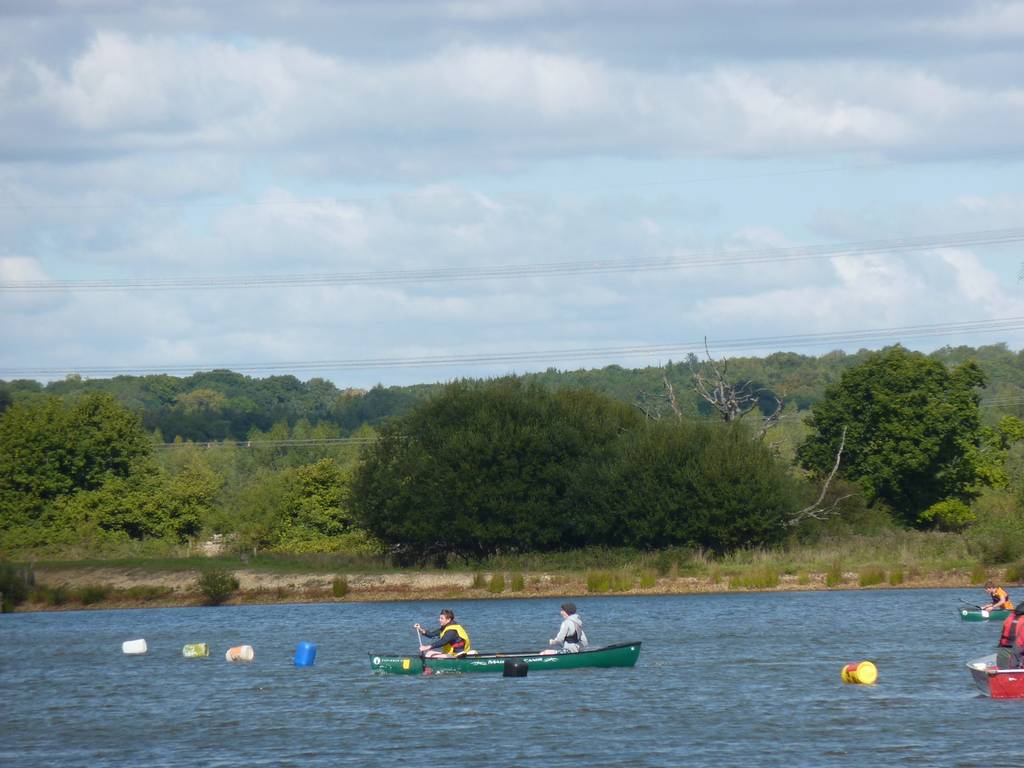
column 473, row 468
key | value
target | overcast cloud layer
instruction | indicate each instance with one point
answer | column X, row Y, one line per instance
column 146, row 141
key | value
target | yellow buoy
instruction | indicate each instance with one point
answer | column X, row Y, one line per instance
column 863, row 673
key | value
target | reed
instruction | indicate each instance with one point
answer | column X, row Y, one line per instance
column 479, row 581
column 518, row 582
column 497, row 584
column 896, row 577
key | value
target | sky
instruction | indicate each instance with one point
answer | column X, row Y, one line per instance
column 401, row 192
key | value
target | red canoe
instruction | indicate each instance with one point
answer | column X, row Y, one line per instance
column 997, row 683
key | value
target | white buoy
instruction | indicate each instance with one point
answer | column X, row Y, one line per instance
column 240, row 653
column 134, row 647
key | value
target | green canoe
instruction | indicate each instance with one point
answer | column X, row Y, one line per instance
column 976, row 614
column 621, row 655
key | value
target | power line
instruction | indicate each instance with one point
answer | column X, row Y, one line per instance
column 518, row 271
column 681, row 349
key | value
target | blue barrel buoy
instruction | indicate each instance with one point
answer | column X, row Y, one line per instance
column 305, row 654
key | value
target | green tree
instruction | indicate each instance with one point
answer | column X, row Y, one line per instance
column 487, row 468
column 697, row 485
column 911, row 426
column 49, row 449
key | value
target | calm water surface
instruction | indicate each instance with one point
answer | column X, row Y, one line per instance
column 723, row 680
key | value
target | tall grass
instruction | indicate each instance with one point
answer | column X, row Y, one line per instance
column 497, row 584
column 760, row 577
column 871, row 575
column 608, row 581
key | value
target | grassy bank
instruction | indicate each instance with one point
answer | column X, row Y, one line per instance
column 895, row 559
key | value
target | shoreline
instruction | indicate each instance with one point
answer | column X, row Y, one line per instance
column 114, row 588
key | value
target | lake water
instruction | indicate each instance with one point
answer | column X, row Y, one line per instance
column 723, row 680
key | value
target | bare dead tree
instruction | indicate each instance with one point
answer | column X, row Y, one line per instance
column 732, row 401
column 816, row 511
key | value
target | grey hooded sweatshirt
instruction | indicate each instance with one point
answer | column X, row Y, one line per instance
column 570, row 631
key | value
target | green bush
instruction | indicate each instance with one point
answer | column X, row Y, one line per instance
column 497, row 583
column 948, row 515
column 518, row 583
column 648, row 579
column 896, row 577
column 998, row 534
column 1015, row 572
column 339, row 587
column 217, row 585
column 871, row 575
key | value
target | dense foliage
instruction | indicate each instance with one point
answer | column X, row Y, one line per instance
column 510, row 466
column 549, row 461
column 911, row 425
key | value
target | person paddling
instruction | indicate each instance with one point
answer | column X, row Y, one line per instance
column 570, row 635
column 1010, row 654
column 451, row 638
column 1000, row 600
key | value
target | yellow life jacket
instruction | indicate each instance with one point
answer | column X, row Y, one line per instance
column 462, row 634
column 1002, row 595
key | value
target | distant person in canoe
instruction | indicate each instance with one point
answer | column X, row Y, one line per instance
column 571, row 636
column 1010, row 654
column 1000, row 600
column 449, row 639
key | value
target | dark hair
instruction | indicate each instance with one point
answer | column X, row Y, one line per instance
column 569, row 608
column 448, row 613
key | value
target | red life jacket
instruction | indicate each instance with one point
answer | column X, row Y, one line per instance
column 1013, row 632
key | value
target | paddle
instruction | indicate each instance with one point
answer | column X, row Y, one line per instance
column 971, row 604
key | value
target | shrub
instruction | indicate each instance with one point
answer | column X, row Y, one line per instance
column 497, row 583
column 339, row 587
column 871, row 575
column 896, row 577
column 217, row 585
column 948, row 515
column 998, row 535
column 648, row 579
column 518, row 584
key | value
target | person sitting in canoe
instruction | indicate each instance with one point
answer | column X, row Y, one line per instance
column 1000, row 600
column 570, row 635
column 451, row 638
column 1010, row 654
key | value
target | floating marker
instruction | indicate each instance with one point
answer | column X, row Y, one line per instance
column 305, row 654
column 240, row 653
column 195, row 650
column 862, row 673
column 134, row 647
